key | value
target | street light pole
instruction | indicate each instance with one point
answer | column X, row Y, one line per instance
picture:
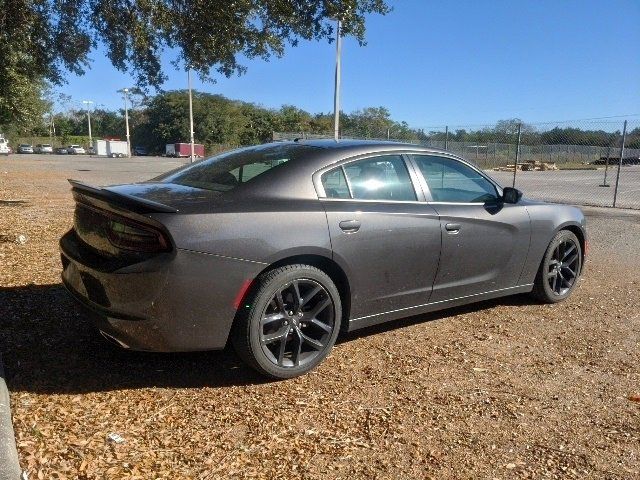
column 336, row 92
column 126, row 119
column 87, row 103
column 190, row 115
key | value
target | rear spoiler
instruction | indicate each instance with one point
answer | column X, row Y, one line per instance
column 136, row 204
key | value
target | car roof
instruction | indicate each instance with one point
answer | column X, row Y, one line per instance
column 354, row 146
column 313, row 155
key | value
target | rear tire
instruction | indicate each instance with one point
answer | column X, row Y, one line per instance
column 560, row 268
column 289, row 322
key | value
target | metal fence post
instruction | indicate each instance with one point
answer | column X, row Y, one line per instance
column 446, row 137
column 515, row 166
column 606, row 168
column 624, row 137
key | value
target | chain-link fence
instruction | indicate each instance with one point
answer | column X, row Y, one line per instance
column 594, row 162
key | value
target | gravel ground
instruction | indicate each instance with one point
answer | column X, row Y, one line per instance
column 501, row 389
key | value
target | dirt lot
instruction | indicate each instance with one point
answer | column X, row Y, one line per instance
column 502, row 389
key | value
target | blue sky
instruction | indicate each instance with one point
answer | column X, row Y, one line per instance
column 435, row 63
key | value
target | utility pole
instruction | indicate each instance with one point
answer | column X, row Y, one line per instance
column 190, row 115
column 125, row 91
column 87, row 103
column 336, row 92
column 515, row 166
column 620, row 163
column 52, row 128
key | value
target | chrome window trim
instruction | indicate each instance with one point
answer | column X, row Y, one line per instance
column 327, row 199
column 423, row 195
column 458, row 203
column 317, row 176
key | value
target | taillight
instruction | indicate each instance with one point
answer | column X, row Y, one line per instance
column 136, row 237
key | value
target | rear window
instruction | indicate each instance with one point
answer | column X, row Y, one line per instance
column 226, row 171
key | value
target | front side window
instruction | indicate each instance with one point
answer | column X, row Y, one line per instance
column 452, row 181
column 384, row 177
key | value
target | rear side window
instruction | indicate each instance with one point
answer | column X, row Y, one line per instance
column 452, row 181
column 335, row 184
column 227, row 171
column 383, row 177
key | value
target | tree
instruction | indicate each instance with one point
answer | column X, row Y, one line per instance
column 21, row 100
column 42, row 40
column 293, row 119
column 633, row 138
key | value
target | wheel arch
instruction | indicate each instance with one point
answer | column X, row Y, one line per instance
column 579, row 232
column 328, row 266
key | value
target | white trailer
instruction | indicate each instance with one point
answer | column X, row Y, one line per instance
column 111, row 148
column 4, row 145
column 100, row 147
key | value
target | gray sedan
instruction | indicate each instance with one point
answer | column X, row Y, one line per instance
column 280, row 247
column 25, row 148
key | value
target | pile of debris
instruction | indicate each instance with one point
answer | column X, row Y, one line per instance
column 529, row 165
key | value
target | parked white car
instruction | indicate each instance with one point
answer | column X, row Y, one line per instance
column 75, row 150
column 43, row 148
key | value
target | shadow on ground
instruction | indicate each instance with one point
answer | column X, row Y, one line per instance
column 49, row 347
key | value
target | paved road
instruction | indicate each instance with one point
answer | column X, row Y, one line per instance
column 95, row 170
column 579, row 187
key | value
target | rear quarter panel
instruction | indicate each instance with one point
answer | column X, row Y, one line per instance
column 262, row 231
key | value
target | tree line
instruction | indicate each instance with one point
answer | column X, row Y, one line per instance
column 164, row 118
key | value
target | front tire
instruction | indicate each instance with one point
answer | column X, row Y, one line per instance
column 560, row 268
column 289, row 322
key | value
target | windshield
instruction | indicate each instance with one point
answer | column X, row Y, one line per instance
column 226, row 171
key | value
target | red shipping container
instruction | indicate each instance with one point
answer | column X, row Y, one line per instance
column 184, row 150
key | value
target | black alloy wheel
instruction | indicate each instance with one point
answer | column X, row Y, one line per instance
column 289, row 321
column 560, row 268
column 563, row 267
column 297, row 323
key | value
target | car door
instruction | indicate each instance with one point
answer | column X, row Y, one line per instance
column 484, row 241
column 389, row 240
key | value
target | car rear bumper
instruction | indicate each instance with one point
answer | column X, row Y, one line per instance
column 182, row 301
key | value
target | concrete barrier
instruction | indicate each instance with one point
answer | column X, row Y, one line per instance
column 9, row 465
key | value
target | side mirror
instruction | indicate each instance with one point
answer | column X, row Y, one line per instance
column 511, row 195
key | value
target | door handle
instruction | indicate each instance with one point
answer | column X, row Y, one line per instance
column 350, row 226
column 452, row 228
